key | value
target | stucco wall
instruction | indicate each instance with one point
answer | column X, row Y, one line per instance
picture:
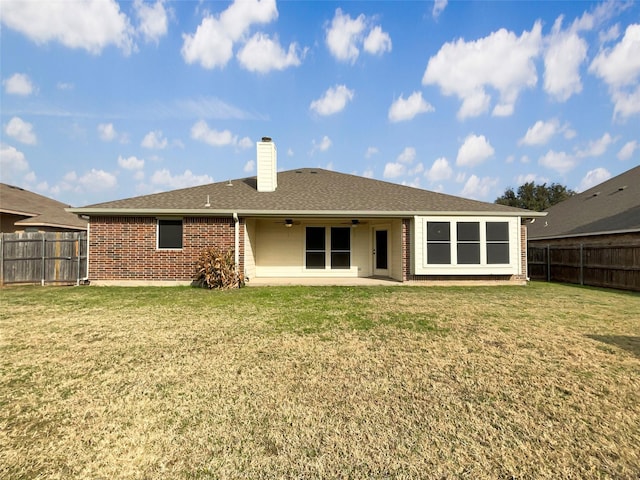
column 124, row 248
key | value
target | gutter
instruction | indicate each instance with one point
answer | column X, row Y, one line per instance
column 294, row 213
column 236, row 222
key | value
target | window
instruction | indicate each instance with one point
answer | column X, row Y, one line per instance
column 468, row 237
column 315, row 247
column 169, row 234
column 438, row 243
column 497, row 242
column 340, row 248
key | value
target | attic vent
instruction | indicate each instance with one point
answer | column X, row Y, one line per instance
column 266, row 139
column 622, row 188
column 595, row 194
column 298, row 171
column 313, row 171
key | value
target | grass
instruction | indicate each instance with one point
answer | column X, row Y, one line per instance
column 336, row 382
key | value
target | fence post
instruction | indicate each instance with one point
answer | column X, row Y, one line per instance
column 581, row 265
column 78, row 254
column 548, row 263
column 1, row 258
column 44, row 252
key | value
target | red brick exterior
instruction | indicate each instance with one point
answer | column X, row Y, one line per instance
column 124, row 248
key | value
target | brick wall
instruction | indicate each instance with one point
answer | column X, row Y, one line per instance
column 124, row 248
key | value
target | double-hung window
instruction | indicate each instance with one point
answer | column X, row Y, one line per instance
column 337, row 256
column 439, row 243
column 497, row 242
column 169, row 234
column 468, row 239
column 315, row 248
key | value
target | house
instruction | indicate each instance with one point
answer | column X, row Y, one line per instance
column 307, row 223
column 25, row 211
column 592, row 238
column 608, row 213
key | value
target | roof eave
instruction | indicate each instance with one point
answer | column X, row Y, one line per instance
column 589, row 234
column 292, row 212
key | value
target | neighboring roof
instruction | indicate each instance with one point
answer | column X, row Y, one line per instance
column 611, row 207
column 306, row 191
column 40, row 211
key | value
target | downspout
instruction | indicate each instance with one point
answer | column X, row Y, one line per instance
column 237, row 240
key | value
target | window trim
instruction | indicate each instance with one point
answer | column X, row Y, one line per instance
column 420, row 244
column 328, row 250
column 169, row 219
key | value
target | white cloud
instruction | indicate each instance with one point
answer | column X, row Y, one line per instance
column 12, row 163
column 561, row 162
column 65, row 86
column 593, row 178
column 419, row 168
column 368, row 173
column 626, row 103
column 394, row 170
column 91, row 25
column 131, row 163
column 440, row 170
column 250, row 166
column 164, row 178
column 245, row 142
column 212, row 44
column 201, row 131
column 476, row 187
column 21, row 131
column 290, row 152
column 619, row 67
column 333, row 101
column 97, row 180
column 262, row 54
column 371, row 151
column 345, row 36
column 530, row 177
column 322, row 146
column 107, row 132
column 18, row 84
column 153, row 20
column 596, row 148
column 377, row 42
column 540, row 133
column 438, row 7
column 407, row 156
column 564, row 54
column 501, row 61
column 475, row 150
column 403, row 109
column 626, row 152
column 155, row 140
column 610, row 35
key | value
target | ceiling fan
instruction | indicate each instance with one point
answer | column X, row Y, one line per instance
column 288, row 222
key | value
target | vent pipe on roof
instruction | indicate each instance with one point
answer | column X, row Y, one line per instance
column 266, row 160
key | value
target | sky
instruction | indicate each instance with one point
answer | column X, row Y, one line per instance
column 104, row 100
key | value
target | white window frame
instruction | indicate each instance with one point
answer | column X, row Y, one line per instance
column 328, row 251
column 170, row 249
column 421, row 267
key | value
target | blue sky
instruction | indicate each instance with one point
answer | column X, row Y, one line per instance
column 104, row 100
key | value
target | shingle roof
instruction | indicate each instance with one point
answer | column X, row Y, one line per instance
column 611, row 206
column 306, row 190
column 38, row 210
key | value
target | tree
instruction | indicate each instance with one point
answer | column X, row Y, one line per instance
column 535, row 197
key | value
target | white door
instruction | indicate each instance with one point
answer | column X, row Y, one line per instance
column 381, row 252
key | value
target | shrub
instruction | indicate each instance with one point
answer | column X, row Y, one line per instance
column 217, row 269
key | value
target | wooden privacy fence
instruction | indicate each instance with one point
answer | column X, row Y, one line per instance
column 37, row 257
column 594, row 265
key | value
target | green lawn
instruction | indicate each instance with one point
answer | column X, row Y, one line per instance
column 540, row 381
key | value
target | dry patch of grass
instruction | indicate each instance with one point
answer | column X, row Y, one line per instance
column 535, row 382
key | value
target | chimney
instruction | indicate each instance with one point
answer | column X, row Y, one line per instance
column 266, row 160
